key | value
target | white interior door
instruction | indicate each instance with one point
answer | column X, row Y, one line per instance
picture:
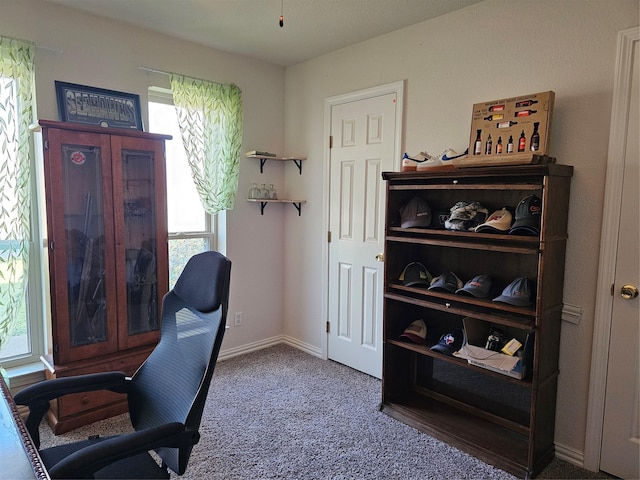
column 364, row 145
column 620, row 454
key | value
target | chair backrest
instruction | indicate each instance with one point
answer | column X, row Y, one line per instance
column 172, row 384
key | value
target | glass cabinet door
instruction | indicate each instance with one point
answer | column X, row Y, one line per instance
column 141, row 240
column 81, row 244
column 84, row 227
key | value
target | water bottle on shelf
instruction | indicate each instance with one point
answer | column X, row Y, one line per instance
column 273, row 195
column 264, row 192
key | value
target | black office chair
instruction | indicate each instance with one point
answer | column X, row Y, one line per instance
column 166, row 395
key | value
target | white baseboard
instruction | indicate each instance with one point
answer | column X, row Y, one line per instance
column 228, row 353
column 570, row 455
column 571, row 313
column 269, row 342
column 305, row 347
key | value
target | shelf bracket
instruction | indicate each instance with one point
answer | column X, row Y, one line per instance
column 297, row 161
column 297, row 205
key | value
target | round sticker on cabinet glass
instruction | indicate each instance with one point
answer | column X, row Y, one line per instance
column 78, row 158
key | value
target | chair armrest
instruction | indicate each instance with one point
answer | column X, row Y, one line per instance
column 58, row 387
column 38, row 395
column 85, row 462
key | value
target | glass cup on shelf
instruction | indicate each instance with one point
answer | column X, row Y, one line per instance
column 254, row 191
column 273, row 195
column 264, row 192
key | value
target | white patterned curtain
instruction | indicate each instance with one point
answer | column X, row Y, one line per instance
column 210, row 119
column 16, row 113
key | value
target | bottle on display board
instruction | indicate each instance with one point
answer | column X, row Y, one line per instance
column 522, row 143
column 510, row 144
column 488, row 146
column 525, row 103
column 535, row 138
column 477, row 150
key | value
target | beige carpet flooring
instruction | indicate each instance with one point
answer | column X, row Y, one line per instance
column 280, row 413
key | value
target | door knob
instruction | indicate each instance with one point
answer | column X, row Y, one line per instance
column 629, row 292
column 380, row 257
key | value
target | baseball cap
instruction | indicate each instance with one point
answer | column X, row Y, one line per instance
column 447, row 281
column 466, row 216
column 416, row 332
column 415, row 213
column 450, row 342
column 528, row 214
column 415, row 274
column 498, row 222
column 517, row 293
column 478, row 286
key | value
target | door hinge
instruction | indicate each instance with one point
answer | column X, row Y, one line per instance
column 330, row 141
column 328, row 326
column 46, row 144
column 613, row 289
column 329, row 236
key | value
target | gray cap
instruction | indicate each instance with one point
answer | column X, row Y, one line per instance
column 517, row 293
column 447, row 281
column 415, row 213
column 478, row 286
column 415, row 274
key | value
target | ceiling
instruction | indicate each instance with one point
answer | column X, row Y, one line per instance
column 250, row 27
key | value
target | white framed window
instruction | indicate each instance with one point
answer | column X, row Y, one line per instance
column 191, row 228
column 25, row 339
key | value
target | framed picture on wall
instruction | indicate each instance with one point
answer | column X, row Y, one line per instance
column 98, row 106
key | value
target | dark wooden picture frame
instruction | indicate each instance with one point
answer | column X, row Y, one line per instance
column 98, row 106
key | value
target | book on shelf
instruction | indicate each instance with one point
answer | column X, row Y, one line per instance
column 259, row 153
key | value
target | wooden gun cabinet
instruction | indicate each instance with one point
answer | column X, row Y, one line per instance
column 108, row 259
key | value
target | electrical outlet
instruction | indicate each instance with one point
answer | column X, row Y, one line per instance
column 237, row 319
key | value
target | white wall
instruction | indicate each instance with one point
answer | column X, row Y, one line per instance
column 102, row 53
column 495, row 49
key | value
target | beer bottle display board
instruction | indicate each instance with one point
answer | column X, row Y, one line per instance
column 521, row 123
